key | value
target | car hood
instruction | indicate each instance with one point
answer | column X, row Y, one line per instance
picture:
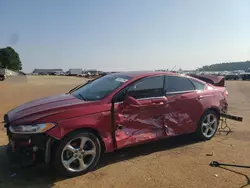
column 43, row 107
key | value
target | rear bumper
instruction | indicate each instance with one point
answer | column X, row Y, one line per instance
column 2, row 77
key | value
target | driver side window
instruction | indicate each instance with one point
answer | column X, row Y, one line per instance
column 144, row 88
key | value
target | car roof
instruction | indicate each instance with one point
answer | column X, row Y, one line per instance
column 141, row 74
column 134, row 74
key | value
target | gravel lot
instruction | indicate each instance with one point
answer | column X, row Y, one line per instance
column 177, row 162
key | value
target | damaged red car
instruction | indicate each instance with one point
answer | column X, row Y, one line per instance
column 118, row 110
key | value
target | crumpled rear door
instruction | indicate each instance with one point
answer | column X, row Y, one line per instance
column 183, row 113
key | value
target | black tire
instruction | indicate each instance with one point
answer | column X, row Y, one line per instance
column 200, row 131
column 57, row 160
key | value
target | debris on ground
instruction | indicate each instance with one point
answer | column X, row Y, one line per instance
column 210, row 154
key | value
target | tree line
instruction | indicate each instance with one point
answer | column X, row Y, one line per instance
column 232, row 66
column 9, row 59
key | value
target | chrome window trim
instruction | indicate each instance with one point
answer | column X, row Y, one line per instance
column 180, row 92
column 160, row 97
column 147, row 98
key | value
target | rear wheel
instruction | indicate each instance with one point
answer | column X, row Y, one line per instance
column 208, row 125
column 77, row 154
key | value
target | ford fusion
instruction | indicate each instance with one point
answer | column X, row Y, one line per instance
column 71, row 131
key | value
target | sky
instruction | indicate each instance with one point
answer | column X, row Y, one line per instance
column 116, row 35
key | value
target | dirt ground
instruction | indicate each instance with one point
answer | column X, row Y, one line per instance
column 177, row 162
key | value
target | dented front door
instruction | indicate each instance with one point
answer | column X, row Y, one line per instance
column 137, row 124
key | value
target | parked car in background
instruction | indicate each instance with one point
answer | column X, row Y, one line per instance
column 103, row 73
column 43, row 73
column 58, row 73
column 232, row 76
column 114, row 111
column 2, row 77
column 82, row 75
column 245, row 76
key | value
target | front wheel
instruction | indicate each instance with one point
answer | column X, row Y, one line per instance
column 77, row 154
column 208, row 125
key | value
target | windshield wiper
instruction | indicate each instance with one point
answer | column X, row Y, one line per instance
column 82, row 97
column 75, row 88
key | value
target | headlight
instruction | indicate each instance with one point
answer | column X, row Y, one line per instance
column 32, row 129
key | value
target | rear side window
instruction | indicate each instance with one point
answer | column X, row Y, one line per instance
column 198, row 85
column 178, row 84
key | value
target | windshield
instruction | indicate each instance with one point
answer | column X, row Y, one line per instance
column 100, row 88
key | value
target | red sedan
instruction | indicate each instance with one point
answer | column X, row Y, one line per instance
column 117, row 110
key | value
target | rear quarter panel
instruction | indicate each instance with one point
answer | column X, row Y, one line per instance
column 213, row 98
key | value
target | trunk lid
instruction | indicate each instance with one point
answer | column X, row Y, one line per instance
column 211, row 79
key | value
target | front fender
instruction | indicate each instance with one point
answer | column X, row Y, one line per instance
column 100, row 122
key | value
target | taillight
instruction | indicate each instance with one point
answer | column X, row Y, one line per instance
column 225, row 93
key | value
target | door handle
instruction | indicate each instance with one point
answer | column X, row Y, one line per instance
column 158, row 103
column 200, row 97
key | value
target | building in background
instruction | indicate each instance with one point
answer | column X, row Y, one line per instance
column 74, row 72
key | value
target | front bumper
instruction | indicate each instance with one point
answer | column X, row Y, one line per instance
column 26, row 149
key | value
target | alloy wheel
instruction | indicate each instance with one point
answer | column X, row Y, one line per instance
column 78, row 154
column 209, row 125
